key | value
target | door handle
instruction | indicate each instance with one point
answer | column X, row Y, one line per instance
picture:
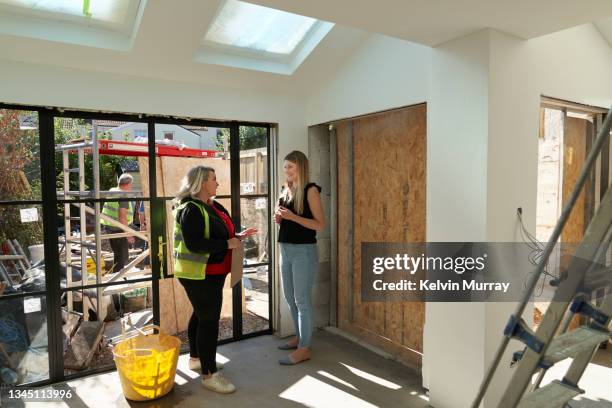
column 160, row 256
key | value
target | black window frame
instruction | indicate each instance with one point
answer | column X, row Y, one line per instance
column 49, row 203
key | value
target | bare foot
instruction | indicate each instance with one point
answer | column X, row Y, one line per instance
column 293, row 342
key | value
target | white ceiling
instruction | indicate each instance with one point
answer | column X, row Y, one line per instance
column 605, row 28
column 170, row 34
column 432, row 22
column 164, row 46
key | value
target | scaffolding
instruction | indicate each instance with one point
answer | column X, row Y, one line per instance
column 90, row 245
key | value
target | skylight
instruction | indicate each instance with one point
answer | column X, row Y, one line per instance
column 248, row 36
column 109, row 11
column 110, row 24
column 258, row 28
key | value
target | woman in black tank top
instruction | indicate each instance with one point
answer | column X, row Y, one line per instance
column 300, row 215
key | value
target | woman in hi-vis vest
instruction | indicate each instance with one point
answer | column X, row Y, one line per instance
column 204, row 236
column 300, row 215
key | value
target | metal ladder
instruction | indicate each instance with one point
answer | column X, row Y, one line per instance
column 543, row 347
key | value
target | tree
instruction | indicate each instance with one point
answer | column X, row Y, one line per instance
column 17, row 158
column 17, row 154
column 251, row 137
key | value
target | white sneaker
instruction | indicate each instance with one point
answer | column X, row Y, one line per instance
column 218, row 383
column 194, row 364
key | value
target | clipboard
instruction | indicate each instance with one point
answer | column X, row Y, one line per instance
column 237, row 260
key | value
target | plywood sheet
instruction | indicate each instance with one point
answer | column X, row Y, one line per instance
column 143, row 164
column 574, row 154
column 83, row 345
column 175, row 168
column 183, row 309
column 167, row 307
column 389, row 206
column 589, row 188
column 173, row 171
column 182, row 305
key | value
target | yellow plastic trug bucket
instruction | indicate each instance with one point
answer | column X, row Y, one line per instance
column 147, row 365
column 91, row 266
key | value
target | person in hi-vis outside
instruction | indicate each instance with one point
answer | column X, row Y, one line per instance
column 204, row 236
column 123, row 212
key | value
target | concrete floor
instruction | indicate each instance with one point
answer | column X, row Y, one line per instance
column 340, row 374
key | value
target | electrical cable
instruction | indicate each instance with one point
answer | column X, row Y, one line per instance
column 535, row 254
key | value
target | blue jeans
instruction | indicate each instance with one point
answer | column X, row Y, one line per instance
column 298, row 264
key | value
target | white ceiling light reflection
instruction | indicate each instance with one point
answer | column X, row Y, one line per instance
column 315, row 393
column 372, row 378
column 180, row 380
column 336, row 379
column 222, row 359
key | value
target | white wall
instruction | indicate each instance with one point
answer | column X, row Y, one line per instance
column 55, row 86
column 573, row 64
column 457, row 159
column 383, row 73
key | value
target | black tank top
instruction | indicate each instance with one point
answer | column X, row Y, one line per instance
column 293, row 233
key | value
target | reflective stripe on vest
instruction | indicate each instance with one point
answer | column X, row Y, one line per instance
column 111, row 209
column 187, row 264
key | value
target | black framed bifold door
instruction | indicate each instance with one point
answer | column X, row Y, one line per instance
column 246, row 306
column 182, row 146
column 85, row 226
column 103, row 252
column 24, row 302
column 252, row 208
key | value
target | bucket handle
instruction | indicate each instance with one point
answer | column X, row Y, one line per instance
column 148, row 352
column 138, row 329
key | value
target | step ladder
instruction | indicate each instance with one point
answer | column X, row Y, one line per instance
column 15, row 264
column 551, row 342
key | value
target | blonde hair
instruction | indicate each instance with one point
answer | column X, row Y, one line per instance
column 301, row 161
column 191, row 184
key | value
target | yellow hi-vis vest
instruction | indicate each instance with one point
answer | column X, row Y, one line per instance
column 111, row 209
column 187, row 264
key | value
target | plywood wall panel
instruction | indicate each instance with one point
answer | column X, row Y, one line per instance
column 574, row 153
column 389, row 167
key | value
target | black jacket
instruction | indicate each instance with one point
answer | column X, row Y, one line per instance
column 192, row 225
